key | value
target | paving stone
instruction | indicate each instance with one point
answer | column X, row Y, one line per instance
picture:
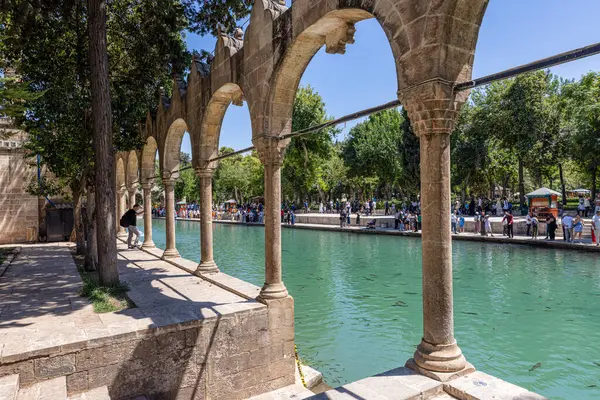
column 53, row 389
column 9, row 386
column 292, row 392
column 100, row 393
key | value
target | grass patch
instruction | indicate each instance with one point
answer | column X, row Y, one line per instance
column 104, row 298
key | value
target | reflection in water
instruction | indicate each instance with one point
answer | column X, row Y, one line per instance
column 358, row 303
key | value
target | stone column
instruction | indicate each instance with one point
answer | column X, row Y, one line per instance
column 131, row 197
column 122, row 208
column 148, row 243
column 271, row 151
column 433, row 109
column 170, row 250
column 207, row 263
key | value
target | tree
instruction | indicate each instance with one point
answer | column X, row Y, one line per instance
column 105, row 182
column 238, row 177
column 206, row 15
column 305, row 155
column 582, row 120
column 374, row 150
column 188, row 183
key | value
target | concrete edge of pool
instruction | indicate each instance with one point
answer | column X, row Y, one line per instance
column 400, row 383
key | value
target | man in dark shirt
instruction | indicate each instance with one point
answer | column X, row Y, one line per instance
column 129, row 220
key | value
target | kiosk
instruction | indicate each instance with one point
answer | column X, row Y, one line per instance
column 543, row 202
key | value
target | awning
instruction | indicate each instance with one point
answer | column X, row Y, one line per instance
column 543, row 192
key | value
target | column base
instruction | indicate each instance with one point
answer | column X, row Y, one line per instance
column 207, row 267
column 148, row 245
column 273, row 291
column 170, row 253
column 440, row 376
column 439, row 362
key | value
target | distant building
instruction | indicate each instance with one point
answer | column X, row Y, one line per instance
column 19, row 211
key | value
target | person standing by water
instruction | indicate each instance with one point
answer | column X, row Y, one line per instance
column 534, row 224
column 509, row 225
column 596, row 228
column 454, row 220
column 551, row 227
column 586, row 204
column 342, row 217
column 357, row 217
column 396, row 219
column 528, row 221
column 567, row 222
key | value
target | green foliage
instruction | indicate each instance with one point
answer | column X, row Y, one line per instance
column 188, row 184
column 306, row 155
column 206, row 15
column 14, row 95
column 239, row 177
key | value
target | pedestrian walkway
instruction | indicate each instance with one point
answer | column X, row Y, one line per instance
column 41, row 310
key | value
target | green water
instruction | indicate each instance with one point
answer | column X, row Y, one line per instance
column 358, row 303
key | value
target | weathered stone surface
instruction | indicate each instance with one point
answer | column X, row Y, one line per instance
column 54, row 366
column 9, row 385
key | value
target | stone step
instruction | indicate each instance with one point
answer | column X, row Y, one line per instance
column 52, row 389
column 100, row 393
column 9, row 386
column 291, row 392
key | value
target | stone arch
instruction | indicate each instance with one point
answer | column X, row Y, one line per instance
column 430, row 40
column 120, row 174
column 148, row 159
column 213, row 118
column 132, row 169
column 172, row 147
column 334, row 30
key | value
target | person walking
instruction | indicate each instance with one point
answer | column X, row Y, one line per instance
column 129, row 221
column 586, row 204
column 509, row 224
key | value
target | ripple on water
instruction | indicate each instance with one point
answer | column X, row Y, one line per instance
column 358, row 303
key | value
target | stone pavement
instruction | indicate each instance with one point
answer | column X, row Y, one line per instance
column 41, row 312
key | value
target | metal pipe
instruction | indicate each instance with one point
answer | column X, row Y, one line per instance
column 533, row 66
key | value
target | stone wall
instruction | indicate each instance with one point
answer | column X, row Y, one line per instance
column 19, row 218
column 234, row 356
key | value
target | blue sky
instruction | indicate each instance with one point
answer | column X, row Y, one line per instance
column 513, row 32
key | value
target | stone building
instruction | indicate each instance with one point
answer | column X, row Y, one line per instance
column 19, row 211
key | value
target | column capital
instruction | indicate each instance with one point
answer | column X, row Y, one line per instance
column 168, row 182
column 148, row 185
column 271, row 149
column 205, row 172
column 432, row 106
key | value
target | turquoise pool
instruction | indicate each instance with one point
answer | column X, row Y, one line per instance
column 358, row 303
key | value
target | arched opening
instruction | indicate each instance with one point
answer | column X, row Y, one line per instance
column 172, row 151
column 213, row 119
column 149, row 157
column 132, row 173
column 120, row 174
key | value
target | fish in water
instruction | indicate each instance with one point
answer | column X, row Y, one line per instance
column 410, row 293
column 592, row 386
column 536, row 366
column 399, row 303
column 506, row 312
column 525, row 292
column 596, row 363
column 470, row 313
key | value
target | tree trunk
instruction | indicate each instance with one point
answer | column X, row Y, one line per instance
column 521, row 185
column 594, row 171
column 103, row 145
column 562, row 184
column 91, row 254
column 78, row 222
